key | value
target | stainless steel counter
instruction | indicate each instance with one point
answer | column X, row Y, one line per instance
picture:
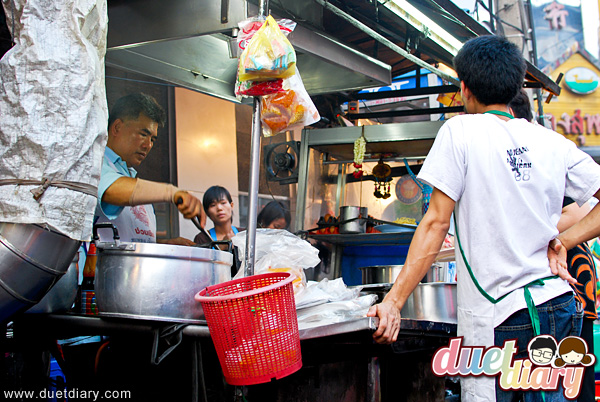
column 67, row 325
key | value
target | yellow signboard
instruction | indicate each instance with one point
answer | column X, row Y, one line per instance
column 576, row 112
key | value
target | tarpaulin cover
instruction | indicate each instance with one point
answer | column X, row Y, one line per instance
column 53, row 113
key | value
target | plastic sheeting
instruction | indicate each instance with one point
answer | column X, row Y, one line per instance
column 53, row 112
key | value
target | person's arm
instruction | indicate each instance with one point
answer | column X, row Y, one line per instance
column 127, row 191
column 424, row 247
column 571, row 214
column 584, row 230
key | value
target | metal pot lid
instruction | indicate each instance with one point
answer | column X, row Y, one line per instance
column 125, row 249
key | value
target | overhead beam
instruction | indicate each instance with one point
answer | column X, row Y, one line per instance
column 440, row 89
column 403, row 113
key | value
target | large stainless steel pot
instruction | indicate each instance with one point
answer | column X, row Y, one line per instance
column 32, row 259
column 380, row 274
column 62, row 295
column 432, row 302
column 359, row 225
column 156, row 281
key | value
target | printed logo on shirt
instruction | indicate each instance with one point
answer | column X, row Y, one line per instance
column 144, row 232
column 547, row 363
column 139, row 212
column 520, row 167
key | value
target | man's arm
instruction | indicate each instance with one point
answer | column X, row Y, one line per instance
column 584, row 230
column 424, row 247
column 127, row 191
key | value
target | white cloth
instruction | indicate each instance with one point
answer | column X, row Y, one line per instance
column 135, row 224
column 54, row 111
column 509, row 180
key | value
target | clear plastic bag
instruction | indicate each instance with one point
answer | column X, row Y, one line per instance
column 278, row 251
column 258, row 88
column 337, row 311
column 250, row 26
column 268, row 56
column 291, row 108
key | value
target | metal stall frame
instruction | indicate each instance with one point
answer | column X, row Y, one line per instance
column 326, row 140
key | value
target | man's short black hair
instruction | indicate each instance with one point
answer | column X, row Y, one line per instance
column 492, row 68
column 521, row 107
column 543, row 343
column 131, row 106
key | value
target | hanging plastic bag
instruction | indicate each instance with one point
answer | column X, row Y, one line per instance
column 250, row 26
column 268, row 56
column 291, row 108
column 258, row 88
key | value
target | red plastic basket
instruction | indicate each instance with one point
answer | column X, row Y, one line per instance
column 254, row 327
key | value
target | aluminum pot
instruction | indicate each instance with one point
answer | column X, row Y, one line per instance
column 358, row 225
column 62, row 295
column 432, row 302
column 380, row 274
column 32, row 259
column 156, row 281
column 437, row 273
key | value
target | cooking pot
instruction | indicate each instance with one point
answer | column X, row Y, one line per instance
column 437, row 273
column 380, row 274
column 62, row 295
column 155, row 281
column 359, row 224
column 32, row 259
column 432, row 302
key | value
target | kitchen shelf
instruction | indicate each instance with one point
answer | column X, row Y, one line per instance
column 365, row 239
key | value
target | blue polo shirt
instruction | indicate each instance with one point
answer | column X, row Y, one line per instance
column 113, row 168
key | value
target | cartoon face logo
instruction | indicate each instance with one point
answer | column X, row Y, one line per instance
column 572, row 351
column 542, row 350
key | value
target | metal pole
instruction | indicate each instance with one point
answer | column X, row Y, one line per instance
column 254, row 175
column 534, row 61
column 253, row 188
column 379, row 38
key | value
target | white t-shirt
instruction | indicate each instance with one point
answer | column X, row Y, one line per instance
column 508, row 179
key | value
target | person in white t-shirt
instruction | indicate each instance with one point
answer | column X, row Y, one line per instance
column 505, row 180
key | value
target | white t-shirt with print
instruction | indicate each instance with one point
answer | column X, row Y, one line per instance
column 508, row 179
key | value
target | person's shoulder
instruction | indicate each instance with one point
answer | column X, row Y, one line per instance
column 201, row 238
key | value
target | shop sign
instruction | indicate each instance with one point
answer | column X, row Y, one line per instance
column 581, row 80
column 558, row 27
column 576, row 123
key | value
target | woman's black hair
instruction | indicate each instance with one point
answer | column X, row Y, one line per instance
column 215, row 194
column 492, row 68
column 521, row 107
column 272, row 211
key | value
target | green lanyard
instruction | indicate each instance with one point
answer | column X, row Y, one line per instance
column 500, row 113
column 533, row 314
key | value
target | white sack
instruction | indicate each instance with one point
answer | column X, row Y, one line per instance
column 53, row 112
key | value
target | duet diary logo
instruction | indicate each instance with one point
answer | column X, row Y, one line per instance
column 548, row 366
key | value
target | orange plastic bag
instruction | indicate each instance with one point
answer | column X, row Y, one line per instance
column 291, row 108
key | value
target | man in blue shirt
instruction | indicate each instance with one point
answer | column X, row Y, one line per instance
column 124, row 199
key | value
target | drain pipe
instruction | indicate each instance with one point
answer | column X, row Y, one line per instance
column 254, row 174
column 381, row 39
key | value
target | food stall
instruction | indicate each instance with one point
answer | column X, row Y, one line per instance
column 340, row 360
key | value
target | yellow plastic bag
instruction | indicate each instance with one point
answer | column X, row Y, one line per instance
column 268, row 56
